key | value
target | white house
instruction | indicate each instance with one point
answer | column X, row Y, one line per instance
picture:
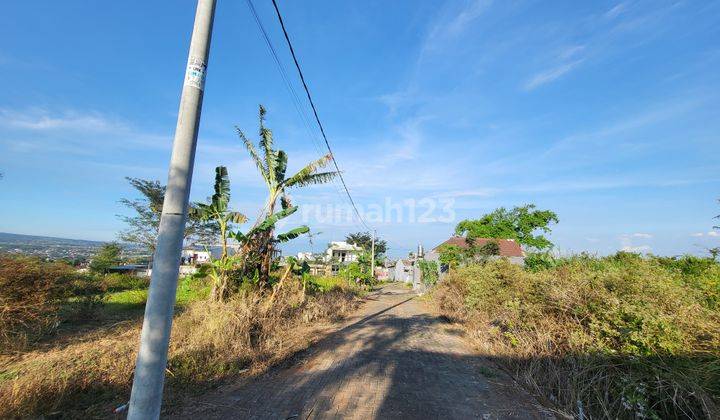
column 342, row 252
column 193, row 257
column 305, row 256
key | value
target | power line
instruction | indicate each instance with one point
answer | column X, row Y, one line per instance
column 295, row 98
column 317, row 118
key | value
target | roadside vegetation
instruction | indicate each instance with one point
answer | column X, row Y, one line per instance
column 624, row 336
column 69, row 338
column 73, row 356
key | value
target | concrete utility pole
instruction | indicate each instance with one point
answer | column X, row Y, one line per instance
column 147, row 389
column 372, row 261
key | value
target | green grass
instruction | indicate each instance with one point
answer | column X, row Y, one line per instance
column 189, row 290
column 327, row 283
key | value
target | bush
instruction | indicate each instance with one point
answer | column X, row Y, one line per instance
column 35, row 295
column 211, row 341
column 115, row 282
column 537, row 261
column 627, row 336
column 31, row 292
column 355, row 271
column 429, row 271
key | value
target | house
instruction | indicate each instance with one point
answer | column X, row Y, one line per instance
column 194, row 257
column 342, row 252
column 508, row 248
column 382, row 274
column 403, row 271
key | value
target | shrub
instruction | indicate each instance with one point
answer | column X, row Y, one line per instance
column 31, row 292
column 35, row 296
column 429, row 271
column 210, row 341
column 625, row 335
column 537, row 261
column 115, row 282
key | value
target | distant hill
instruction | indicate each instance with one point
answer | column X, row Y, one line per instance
column 52, row 248
column 16, row 238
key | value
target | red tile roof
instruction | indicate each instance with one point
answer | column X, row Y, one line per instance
column 508, row 247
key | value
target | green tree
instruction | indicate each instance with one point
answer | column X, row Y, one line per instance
column 272, row 165
column 429, row 271
column 144, row 224
column 524, row 224
column 364, row 240
column 217, row 212
column 452, row 255
column 489, row 249
column 108, row 256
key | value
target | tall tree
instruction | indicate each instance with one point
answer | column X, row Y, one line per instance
column 524, row 224
column 364, row 240
column 272, row 165
column 143, row 226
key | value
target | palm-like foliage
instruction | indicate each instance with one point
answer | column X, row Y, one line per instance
column 217, row 209
column 272, row 165
column 268, row 225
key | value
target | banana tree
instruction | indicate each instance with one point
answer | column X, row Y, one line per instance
column 255, row 241
column 272, row 166
column 218, row 211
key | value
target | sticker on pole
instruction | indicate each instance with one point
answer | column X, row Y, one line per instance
column 195, row 74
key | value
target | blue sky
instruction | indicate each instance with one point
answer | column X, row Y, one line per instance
column 606, row 112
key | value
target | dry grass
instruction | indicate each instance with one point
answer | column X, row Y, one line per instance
column 31, row 292
column 614, row 338
column 211, row 342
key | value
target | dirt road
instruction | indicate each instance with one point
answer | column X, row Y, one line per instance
column 392, row 359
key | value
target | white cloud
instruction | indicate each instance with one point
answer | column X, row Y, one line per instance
column 466, row 16
column 43, row 120
column 615, row 11
column 639, row 248
column 550, row 75
column 571, row 51
column 713, row 233
column 697, row 235
column 649, row 117
column 627, row 239
column 70, row 132
column 447, row 29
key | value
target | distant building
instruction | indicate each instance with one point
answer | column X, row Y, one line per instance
column 508, row 248
column 382, row 273
column 140, row 270
column 194, row 257
column 342, row 252
column 402, row 271
column 305, row 256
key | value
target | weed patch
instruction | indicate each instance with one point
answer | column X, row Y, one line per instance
column 622, row 337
